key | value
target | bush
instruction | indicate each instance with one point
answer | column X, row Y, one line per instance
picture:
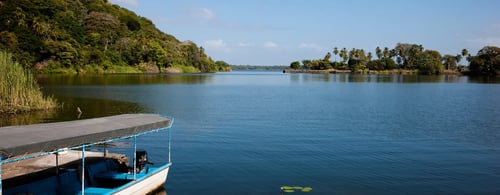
column 186, row 69
column 19, row 91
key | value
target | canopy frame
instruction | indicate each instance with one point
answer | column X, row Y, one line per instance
column 158, row 123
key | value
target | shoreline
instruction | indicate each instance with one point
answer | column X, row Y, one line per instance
column 395, row 71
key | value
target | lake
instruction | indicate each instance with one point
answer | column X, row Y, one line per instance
column 252, row 132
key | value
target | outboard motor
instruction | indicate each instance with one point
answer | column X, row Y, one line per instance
column 141, row 159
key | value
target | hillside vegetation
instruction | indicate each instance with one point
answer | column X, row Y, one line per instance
column 93, row 36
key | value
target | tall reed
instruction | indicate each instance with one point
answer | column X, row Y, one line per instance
column 19, row 91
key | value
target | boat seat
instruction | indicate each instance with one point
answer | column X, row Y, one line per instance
column 69, row 183
column 103, row 167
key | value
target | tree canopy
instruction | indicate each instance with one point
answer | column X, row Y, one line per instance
column 487, row 61
column 408, row 57
column 78, row 34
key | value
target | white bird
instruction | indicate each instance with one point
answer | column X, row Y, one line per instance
column 79, row 112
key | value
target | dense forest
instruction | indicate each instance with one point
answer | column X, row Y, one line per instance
column 93, row 36
column 257, row 67
column 404, row 56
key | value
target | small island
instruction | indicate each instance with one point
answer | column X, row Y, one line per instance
column 404, row 58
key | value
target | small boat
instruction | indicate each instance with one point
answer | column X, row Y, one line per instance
column 75, row 170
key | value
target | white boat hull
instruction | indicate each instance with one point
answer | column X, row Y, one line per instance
column 146, row 185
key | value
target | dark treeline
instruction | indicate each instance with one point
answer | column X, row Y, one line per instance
column 92, row 36
column 408, row 57
column 257, row 67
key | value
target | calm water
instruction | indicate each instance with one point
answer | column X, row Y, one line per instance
column 252, row 132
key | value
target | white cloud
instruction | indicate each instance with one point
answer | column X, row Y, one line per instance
column 203, row 13
column 127, row 2
column 217, row 44
column 243, row 44
column 310, row 46
column 270, row 44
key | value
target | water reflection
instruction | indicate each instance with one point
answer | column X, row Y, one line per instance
column 90, row 108
column 159, row 191
column 26, row 118
column 391, row 78
column 123, row 79
column 67, row 84
column 484, row 79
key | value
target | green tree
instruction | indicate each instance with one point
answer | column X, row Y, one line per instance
column 357, row 59
column 389, row 64
column 335, row 52
column 325, row 63
column 450, row 62
column 407, row 54
column 378, row 52
column 155, row 53
column 8, row 40
column 223, row 66
column 465, row 54
column 105, row 24
column 382, row 64
column 428, row 62
column 61, row 51
column 295, row 65
column 327, row 57
column 306, row 64
column 131, row 22
column 386, row 52
column 343, row 55
column 487, row 61
column 458, row 58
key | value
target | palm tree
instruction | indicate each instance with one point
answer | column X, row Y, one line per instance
column 343, row 54
column 465, row 54
column 352, row 53
column 386, row 52
column 378, row 52
column 450, row 61
column 335, row 52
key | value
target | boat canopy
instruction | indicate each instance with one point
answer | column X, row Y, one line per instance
column 26, row 139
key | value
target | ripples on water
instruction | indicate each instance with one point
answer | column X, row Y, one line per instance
column 252, row 132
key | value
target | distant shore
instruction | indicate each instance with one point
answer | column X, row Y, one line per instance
column 335, row 71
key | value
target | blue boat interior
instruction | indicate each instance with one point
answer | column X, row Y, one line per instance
column 103, row 177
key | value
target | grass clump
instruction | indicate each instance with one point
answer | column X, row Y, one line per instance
column 19, row 91
column 186, row 69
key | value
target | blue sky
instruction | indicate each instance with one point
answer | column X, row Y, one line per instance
column 277, row 32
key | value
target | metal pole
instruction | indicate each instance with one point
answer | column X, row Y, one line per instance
column 169, row 139
column 135, row 156
column 57, row 163
column 105, row 150
column 83, row 169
